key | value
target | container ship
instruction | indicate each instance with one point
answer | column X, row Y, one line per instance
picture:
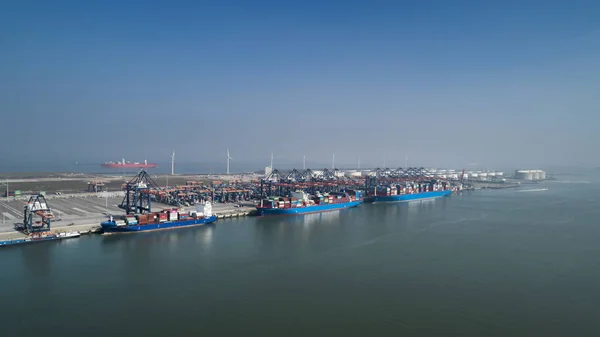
column 408, row 192
column 302, row 203
column 165, row 219
column 127, row 164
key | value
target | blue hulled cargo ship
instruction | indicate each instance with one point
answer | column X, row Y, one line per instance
column 408, row 192
column 407, row 197
column 301, row 203
column 166, row 219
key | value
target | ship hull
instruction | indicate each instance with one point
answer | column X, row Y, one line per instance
column 28, row 240
column 306, row 210
column 407, row 197
column 111, row 227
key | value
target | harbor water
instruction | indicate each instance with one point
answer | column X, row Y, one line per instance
column 514, row 262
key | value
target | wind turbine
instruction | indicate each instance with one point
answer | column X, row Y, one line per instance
column 173, row 164
column 304, row 162
column 271, row 160
column 228, row 159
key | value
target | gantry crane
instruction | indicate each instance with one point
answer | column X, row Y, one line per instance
column 138, row 194
column 37, row 208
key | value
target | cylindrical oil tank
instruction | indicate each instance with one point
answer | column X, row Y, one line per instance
column 523, row 175
column 542, row 175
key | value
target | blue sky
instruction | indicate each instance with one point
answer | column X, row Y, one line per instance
column 446, row 83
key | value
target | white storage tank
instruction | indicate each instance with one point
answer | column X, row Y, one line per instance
column 535, row 175
column 524, row 175
column 542, row 175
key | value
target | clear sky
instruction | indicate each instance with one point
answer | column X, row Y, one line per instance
column 447, row 83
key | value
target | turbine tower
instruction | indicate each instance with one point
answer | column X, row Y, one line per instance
column 173, row 164
column 271, row 160
column 304, row 162
column 228, row 159
column 333, row 162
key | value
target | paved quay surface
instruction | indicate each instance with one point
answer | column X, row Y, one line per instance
column 83, row 212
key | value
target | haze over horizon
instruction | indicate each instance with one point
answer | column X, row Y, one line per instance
column 446, row 84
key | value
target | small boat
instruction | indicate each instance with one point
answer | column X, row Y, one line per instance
column 67, row 235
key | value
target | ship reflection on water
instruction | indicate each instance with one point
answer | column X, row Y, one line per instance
column 205, row 236
column 321, row 218
column 422, row 205
column 306, row 220
column 171, row 239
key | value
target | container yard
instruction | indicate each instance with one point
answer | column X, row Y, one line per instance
column 80, row 203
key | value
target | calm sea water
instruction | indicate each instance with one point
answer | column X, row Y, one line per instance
column 519, row 262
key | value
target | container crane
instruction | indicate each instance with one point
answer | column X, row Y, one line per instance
column 138, row 194
column 37, row 207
